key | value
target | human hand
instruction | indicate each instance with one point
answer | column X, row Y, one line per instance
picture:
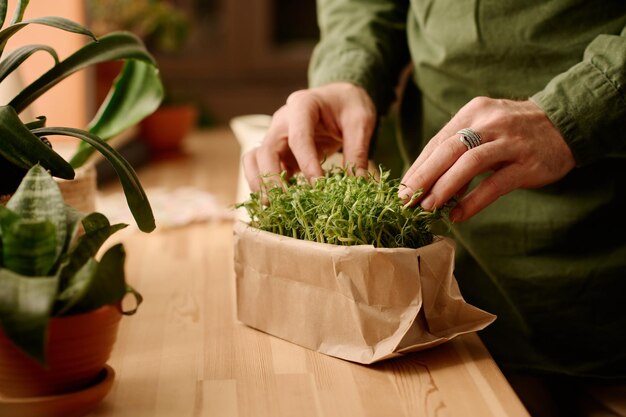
column 520, row 146
column 314, row 123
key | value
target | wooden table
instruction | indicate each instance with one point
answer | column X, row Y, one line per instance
column 184, row 354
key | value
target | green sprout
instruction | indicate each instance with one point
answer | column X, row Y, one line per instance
column 342, row 209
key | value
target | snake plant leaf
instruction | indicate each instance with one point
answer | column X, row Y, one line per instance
column 25, row 305
column 97, row 231
column 38, row 199
column 135, row 195
column 23, row 149
column 74, row 219
column 114, row 46
column 28, row 247
column 104, row 283
column 136, row 93
column 19, row 55
column 75, row 288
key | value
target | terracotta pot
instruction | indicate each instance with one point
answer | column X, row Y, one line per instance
column 78, row 348
column 165, row 129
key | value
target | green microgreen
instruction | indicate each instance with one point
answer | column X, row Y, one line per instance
column 342, row 209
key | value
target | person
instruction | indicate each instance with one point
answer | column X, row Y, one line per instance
column 537, row 89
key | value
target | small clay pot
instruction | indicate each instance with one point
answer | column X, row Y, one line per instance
column 165, row 129
column 77, row 350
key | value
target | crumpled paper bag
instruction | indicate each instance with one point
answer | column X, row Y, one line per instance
column 357, row 303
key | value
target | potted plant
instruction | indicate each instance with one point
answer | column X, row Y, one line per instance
column 165, row 29
column 136, row 93
column 59, row 306
column 344, row 267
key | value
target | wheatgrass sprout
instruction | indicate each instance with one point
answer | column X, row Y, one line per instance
column 342, row 209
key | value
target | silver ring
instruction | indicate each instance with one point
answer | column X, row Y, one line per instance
column 469, row 137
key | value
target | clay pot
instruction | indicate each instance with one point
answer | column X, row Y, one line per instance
column 78, row 348
column 165, row 129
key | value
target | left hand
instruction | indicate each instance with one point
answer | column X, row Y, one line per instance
column 520, row 146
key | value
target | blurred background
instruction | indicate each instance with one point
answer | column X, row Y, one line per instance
column 226, row 57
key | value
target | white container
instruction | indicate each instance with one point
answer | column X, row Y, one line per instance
column 249, row 131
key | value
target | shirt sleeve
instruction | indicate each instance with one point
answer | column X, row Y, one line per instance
column 587, row 103
column 363, row 42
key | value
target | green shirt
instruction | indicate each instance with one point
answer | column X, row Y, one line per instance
column 550, row 262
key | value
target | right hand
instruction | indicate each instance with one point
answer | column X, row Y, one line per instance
column 313, row 124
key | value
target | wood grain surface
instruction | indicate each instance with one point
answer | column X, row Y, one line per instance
column 184, row 354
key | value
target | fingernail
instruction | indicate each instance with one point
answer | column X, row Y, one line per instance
column 428, row 203
column 404, row 192
column 361, row 172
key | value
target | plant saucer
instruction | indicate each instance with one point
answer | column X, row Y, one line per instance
column 72, row 404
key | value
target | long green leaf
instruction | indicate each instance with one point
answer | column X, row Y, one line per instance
column 53, row 21
column 115, row 46
column 135, row 195
column 135, row 94
column 40, row 121
column 23, row 149
column 19, row 55
column 102, row 284
column 3, row 11
column 25, row 305
column 18, row 14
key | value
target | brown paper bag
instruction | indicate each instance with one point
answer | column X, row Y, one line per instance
column 358, row 303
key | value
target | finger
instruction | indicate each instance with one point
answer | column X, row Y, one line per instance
column 303, row 115
column 358, row 127
column 268, row 155
column 251, row 170
column 487, row 157
column 457, row 123
column 489, row 190
column 435, row 166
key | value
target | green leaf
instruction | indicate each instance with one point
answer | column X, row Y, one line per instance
column 28, row 248
column 35, row 124
column 53, row 21
column 97, row 231
column 23, row 149
column 18, row 15
column 25, row 305
column 38, row 199
column 115, row 46
column 74, row 219
column 3, row 11
column 19, row 55
column 135, row 195
column 75, row 288
column 97, row 285
column 135, row 94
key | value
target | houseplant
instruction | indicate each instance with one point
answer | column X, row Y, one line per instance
column 137, row 92
column 344, row 267
column 59, row 306
column 164, row 27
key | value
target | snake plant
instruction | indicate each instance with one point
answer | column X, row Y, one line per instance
column 46, row 270
column 136, row 93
